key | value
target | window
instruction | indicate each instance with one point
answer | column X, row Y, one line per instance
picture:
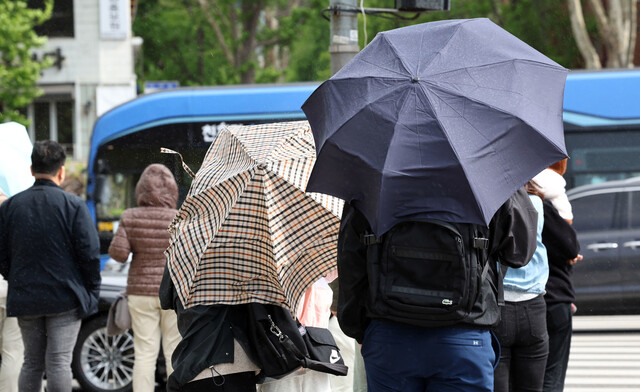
column 594, row 212
column 42, row 122
column 635, row 210
column 602, row 155
column 61, row 22
column 53, row 120
column 65, row 124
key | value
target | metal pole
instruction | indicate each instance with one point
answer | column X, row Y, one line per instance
column 344, row 33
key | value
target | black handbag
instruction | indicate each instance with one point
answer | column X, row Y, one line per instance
column 281, row 345
column 323, row 350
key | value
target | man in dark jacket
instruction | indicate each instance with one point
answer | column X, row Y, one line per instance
column 403, row 357
column 49, row 253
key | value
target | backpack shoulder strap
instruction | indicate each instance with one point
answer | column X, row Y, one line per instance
column 370, row 239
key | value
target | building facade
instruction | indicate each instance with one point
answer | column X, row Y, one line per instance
column 93, row 49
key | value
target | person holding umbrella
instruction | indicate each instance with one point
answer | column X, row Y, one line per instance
column 405, row 357
column 246, row 234
column 438, row 124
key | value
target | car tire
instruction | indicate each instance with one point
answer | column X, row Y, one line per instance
column 102, row 363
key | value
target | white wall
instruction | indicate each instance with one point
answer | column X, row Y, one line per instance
column 96, row 69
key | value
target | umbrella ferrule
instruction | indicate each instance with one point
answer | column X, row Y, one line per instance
column 415, row 79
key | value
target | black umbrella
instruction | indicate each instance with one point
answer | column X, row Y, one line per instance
column 442, row 120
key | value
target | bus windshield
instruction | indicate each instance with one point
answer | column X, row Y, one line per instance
column 128, row 138
column 602, row 126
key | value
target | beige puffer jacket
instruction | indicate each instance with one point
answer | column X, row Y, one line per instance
column 143, row 230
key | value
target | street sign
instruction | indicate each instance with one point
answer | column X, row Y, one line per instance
column 157, row 85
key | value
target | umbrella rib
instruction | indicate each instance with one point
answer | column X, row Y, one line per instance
column 541, row 64
column 295, row 129
column 401, row 58
column 403, row 76
column 454, row 149
column 365, row 104
column 482, row 104
column 445, row 45
column 488, row 65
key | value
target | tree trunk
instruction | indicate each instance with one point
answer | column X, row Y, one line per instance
column 616, row 27
column 251, row 12
column 633, row 33
column 579, row 28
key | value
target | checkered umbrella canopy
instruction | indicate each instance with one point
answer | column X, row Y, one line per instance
column 247, row 231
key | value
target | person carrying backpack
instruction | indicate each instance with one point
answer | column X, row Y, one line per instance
column 522, row 331
column 423, row 298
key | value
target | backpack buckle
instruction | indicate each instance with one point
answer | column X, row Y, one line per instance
column 480, row 243
column 370, row 239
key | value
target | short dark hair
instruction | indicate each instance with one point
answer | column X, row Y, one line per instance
column 47, row 157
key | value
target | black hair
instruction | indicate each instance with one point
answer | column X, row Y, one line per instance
column 47, row 157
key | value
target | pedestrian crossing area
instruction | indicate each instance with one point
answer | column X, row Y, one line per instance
column 604, row 362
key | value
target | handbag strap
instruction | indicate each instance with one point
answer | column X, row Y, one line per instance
column 285, row 340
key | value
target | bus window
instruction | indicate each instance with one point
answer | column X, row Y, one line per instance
column 602, row 155
column 128, row 138
column 602, row 125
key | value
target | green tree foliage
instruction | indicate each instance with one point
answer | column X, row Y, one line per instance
column 310, row 59
column 179, row 45
column 214, row 42
column 543, row 24
column 19, row 72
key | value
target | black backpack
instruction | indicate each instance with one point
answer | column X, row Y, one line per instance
column 427, row 273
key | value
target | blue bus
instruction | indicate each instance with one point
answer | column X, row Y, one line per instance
column 601, row 118
column 128, row 138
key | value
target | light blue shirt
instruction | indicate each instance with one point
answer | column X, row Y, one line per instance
column 532, row 278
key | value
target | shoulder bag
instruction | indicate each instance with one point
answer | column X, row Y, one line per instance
column 119, row 318
column 282, row 345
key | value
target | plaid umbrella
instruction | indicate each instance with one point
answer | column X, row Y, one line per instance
column 247, row 231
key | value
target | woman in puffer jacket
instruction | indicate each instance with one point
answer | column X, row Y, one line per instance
column 143, row 232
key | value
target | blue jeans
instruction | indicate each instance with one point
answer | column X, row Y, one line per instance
column 405, row 358
column 523, row 337
column 48, row 344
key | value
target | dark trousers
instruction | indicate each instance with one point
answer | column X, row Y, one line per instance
column 524, row 342
column 559, row 327
column 235, row 382
column 403, row 358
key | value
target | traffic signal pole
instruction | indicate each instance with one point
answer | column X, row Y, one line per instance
column 344, row 33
